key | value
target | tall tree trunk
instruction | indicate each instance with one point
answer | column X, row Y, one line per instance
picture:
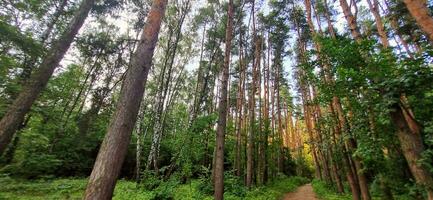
column 252, row 105
column 418, row 9
column 351, row 20
column 14, row 116
column 410, row 141
column 165, row 79
column 50, row 26
column 114, row 147
column 222, row 111
column 336, row 172
column 374, row 8
column 198, row 88
column 328, row 19
column 240, row 101
column 29, row 65
column 412, row 147
column 266, row 112
column 140, row 134
column 280, row 123
column 350, row 142
column 260, row 138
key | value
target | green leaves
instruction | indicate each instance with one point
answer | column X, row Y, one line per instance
column 24, row 42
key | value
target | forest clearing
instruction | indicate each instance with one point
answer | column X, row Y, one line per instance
column 208, row 99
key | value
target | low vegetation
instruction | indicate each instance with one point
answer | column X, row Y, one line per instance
column 73, row 188
column 326, row 192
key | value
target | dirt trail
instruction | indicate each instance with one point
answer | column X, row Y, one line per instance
column 304, row 192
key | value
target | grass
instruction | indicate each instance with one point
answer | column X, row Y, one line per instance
column 126, row 190
column 325, row 192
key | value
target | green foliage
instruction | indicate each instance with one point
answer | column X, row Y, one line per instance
column 30, row 161
column 41, row 189
column 126, row 190
column 326, row 192
column 24, row 42
column 277, row 188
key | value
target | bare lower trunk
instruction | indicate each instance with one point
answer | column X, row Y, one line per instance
column 412, row 147
column 386, row 190
column 351, row 179
column 139, row 148
column 14, row 116
column 362, row 179
column 222, row 112
column 336, row 173
column 114, row 147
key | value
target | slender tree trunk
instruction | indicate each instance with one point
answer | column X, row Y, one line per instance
column 140, row 134
column 261, row 139
column 114, row 147
column 350, row 143
column 328, row 19
column 280, row 123
column 14, row 116
column 351, row 20
column 165, row 80
column 394, row 25
column 336, row 172
column 251, row 131
column 252, row 105
column 240, row 107
column 198, row 87
column 29, row 64
column 222, row 111
column 50, row 26
column 374, row 8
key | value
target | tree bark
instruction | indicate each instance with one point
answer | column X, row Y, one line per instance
column 50, row 26
column 418, row 9
column 379, row 24
column 222, row 111
column 240, row 101
column 21, row 105
column 114, row 147
column 252, row 106
column 412, row 147
column 351, row 20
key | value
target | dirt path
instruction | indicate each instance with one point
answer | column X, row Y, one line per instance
column 304, row 192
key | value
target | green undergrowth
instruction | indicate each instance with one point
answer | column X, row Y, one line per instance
column 327, row 192
column 21, row 189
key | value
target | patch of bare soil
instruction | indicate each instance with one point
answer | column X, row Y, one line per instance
column 304, row 192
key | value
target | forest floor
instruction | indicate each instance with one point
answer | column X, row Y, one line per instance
column 304, row 192
column 73, row 189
